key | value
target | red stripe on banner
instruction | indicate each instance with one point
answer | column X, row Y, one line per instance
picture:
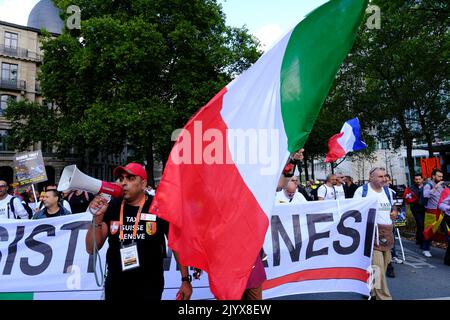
column 319, row 274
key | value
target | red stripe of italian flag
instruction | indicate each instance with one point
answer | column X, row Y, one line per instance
column 217, row 191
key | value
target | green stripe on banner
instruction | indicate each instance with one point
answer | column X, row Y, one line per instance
column 316, row 49
column 17, row 296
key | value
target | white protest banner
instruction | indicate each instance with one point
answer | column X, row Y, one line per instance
column 323, row 246
column 47, row 258
column 313, row 247
column 46, row 255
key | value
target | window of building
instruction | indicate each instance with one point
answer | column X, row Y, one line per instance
column 11, row 40
column 9, row 72
column 4, row 101
column 3, row 136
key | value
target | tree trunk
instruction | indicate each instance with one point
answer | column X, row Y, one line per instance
column 410, row 159
column 408, row 140
column 312, row 169
column 305, row 165
column 150, row 163
column 430, row 148
column 427, row 131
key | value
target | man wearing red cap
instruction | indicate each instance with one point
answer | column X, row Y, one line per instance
column 136, row 241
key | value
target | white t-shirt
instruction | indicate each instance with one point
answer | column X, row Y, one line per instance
column 384, row 206
column 32, row 205
column 66, row 205
column 19, row 210
column 281, row 198
column 326, row 192
column 340, row 194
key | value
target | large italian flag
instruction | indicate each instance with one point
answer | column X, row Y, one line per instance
column 219, row 182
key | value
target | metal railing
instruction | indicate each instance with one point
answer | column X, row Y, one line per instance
column 13, row 84
column 19, row 53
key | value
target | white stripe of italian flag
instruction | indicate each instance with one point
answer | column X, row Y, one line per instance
column 215, row 191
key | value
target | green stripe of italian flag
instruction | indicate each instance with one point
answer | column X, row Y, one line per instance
column 219, row 182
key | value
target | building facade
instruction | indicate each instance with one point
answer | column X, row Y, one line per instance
column 20, row 61
column 393, row 160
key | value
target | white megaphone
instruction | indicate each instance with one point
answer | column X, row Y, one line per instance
column 74, row 179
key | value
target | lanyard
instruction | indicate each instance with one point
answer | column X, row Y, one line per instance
column 138, row 216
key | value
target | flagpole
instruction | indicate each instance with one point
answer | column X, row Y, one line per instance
column 35, row 199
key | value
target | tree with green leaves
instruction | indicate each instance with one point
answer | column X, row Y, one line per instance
column 401, row 73
column 395, row 80
column 337, row 109
column 135, row 71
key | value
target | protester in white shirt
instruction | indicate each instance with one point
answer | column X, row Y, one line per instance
column 327, row 190
column 290, row 195
column 381, row 255
column 6, row 212
column 339, row 187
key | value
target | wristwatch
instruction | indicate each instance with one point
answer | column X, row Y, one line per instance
column 187, row 278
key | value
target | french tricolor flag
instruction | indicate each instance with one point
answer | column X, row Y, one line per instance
column 346, row 141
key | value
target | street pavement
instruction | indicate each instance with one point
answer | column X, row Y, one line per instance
column 418, row 278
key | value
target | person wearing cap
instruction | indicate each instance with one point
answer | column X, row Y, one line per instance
column 136, row 241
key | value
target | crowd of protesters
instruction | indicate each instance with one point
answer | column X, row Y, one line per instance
column 425, row 199
column 429, row 203
column 48, row 203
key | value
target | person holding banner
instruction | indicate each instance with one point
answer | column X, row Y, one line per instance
column 10, row 207
column 136, row 241
column 431, row 193
column 384, row 235
column 327, row 191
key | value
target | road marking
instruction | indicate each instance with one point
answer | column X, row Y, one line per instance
column 416, row 261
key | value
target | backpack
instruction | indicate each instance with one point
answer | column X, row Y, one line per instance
column 326, row 190
column 385, row 188
column 73, row 192
column 28, row 209
column 13, row 210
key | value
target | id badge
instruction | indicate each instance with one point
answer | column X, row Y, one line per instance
column 129, row 257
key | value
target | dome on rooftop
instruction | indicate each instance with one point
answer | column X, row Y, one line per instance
column 45, row 15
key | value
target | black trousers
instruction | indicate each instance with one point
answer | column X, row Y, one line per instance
column 419, row 215
column 119, row 290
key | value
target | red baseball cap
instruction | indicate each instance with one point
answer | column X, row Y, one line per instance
column 132, row 168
